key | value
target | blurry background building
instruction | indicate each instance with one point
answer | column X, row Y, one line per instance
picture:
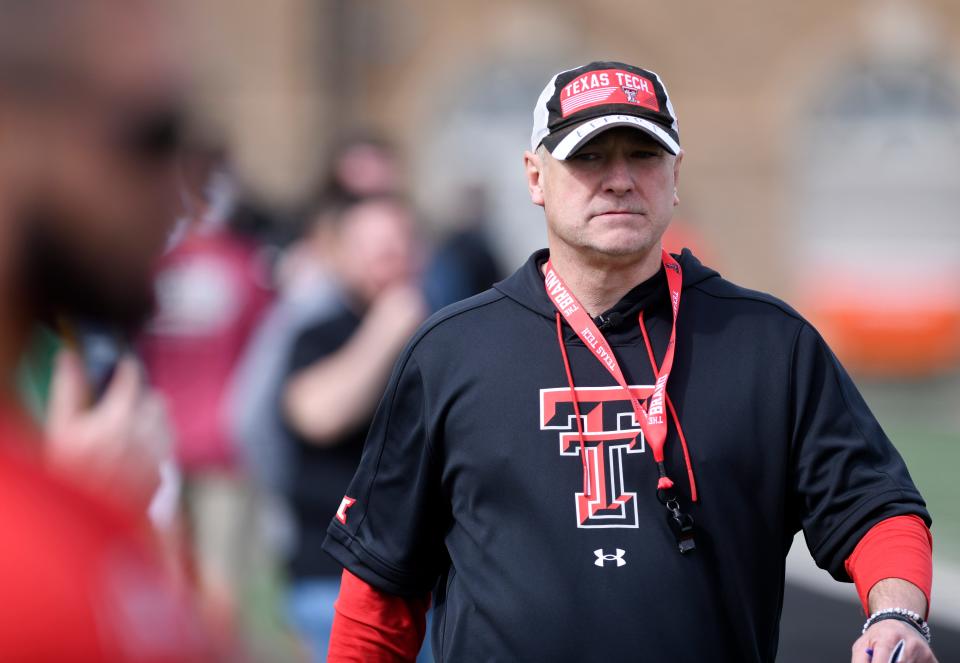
column 763, row 91
column 822, row 140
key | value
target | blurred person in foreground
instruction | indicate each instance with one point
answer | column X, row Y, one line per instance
column 606, row 456
column 336, row 372
column 87, row 195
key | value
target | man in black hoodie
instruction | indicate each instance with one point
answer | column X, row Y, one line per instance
column 607, row 455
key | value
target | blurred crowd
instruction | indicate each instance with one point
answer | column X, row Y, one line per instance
column 189, row 375
column 271, row 349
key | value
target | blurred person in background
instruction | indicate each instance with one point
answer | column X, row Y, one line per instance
column 265, row 444
column 211, row 290
column 336, row 373
column 463, row 263
column 88, row 194
column 364, row 164
column 305, row 293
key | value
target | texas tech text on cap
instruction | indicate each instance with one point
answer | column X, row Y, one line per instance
column 580, row 103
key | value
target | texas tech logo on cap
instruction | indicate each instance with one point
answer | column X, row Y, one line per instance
column 580, row 103
column 608, row 86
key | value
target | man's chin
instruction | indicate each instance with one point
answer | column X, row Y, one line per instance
column 620, row 235
column 622, row 247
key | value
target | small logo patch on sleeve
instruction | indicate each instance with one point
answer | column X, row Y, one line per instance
column 345, row 504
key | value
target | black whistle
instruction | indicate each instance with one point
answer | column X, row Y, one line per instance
column 682, row 526
column 680, row 523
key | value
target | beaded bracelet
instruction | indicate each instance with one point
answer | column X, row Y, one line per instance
column 903, row 615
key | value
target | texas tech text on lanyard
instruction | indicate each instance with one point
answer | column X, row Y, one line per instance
column 653, row 422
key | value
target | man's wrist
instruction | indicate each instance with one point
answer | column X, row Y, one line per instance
column 900, row 614
column 897, row 593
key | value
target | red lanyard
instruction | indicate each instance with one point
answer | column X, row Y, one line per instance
column 653, row 422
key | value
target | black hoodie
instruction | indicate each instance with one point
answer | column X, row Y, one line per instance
column 470, row 473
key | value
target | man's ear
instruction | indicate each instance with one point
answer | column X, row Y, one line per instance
column 676, row 178
column 533, row 166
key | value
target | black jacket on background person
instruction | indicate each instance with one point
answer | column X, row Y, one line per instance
column 468, row 483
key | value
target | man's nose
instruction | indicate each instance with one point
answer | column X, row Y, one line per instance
column 618, row 179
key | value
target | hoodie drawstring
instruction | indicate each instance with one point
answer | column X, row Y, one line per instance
column 576, row 409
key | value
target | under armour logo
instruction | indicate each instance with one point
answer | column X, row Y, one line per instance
column 603, row 559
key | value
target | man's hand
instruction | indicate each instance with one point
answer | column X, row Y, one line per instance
column 333, row 395
column 396, row 314
column 883, row 636
column 113, row 446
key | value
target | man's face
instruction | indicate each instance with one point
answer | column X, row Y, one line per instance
column 374, row 248
column 613, row 198
column 99, row 202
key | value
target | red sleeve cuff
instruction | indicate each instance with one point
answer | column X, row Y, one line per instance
column 899, row 547
column 370, row 626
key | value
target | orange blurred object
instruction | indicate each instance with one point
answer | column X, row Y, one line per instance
column 887, row 329
column 681, row 234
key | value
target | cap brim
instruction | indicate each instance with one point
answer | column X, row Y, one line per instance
column 570, row 140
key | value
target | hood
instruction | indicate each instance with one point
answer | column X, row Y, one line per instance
column 525, row 286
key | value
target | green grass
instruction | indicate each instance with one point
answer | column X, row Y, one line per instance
column 923, row 420
column 933, row 457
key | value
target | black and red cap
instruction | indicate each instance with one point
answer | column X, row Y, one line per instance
column 578, row 104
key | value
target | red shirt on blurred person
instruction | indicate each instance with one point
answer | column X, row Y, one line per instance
column 82, row 579
column 211, row 294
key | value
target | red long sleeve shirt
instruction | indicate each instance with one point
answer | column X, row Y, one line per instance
column 899, row 547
